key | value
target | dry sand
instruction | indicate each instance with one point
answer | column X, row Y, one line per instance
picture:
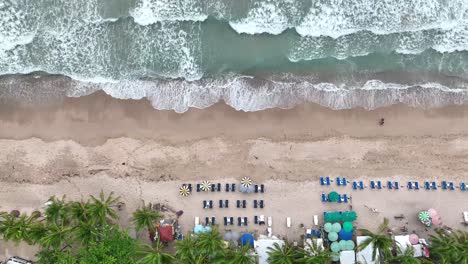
column 87, row 144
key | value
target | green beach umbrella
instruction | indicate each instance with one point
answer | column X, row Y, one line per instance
column 336, row 227
column 350, row 245
column 333, row 196
column 332, row 217
column 327, row 227
column 349, row 216
column 348, row 226
column 342, row 244
column 424, row 216
column 335, row 247
column 335, row 256
column 332, row 236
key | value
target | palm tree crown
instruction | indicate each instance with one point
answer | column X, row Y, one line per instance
column 382, row 242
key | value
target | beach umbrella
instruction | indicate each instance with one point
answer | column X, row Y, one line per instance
column 350, row 245
column 413, row 239
column 333, row 196
column 432, row 212
column 436, row 220
column 349, row 216
column 246, row 181
column 335, row 256
column 184, row 190
column 336, row 227
column 205, row 186
column 424, row 216
column 342, row 244
column 207, row 229
column 198, row 229
column 348, row 226
column 246, row 189
column 227, row 236
column 335, row 247
column 247, row 239
column 332, row 236
column 344, row 235
column 327, row 227
column 235, row 236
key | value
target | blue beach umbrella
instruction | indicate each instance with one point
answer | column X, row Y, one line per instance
column 345, row 235
column 247, row 239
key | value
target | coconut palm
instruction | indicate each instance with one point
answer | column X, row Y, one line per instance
column 382, row 241
column 56, row 237
column 211, row 245
column 56, row 211
column 449, row 247
column 240, row 255
column 18, row 229
column 144, row 217
column 86, row 232
column 154, row 255
column 282, row 254
column 314, row 254
column 186, row 249
column 406, row 257
column 79, row 211
column 100, row 209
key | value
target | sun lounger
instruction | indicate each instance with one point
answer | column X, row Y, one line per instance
column 211, row 204
column 256, row 188
column 463, row 186
column 205, row 204
column 389, row 185
column 190, row 187
column 225, row 221
column 269, row 232
column 198, row 187
column 322, row 181
column 226, row 203
column 410, row 185
column 239, row 221
column 207, row 221
column 255, row 204
column 220, row 203
column 227, row 187
column 450, row 186
column 288, row 222
column 308, row 232
column 344, row 181
column 465, row 216
column 379, row 185
column 324, row 197
column 244, row 204
column 219, row 187
column 256, row 219
column 262, row 188
column 246, row 223
column 339, row 198
column 233, row 187
column 361, row 185
column 261, row 220
column 434, row 185
column 213, row 186
column 231, row 221
column 270, row 221
column 261, row 204
column 444, row 185
column 396, row 185
column 427, row 185
column 197, row 220
column 416, row 185
column 338, row 181
column 345, row 198
column 213, row 220
column 372, row 185
column 315, row 219
column 354, row 185
column 238, row 203
column 327, row 180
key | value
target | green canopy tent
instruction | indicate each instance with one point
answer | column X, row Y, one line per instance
column 332, row 236
column 348, row 226
column 332, row 217
column 349, row 216
column 327, row 227
column 333, row 196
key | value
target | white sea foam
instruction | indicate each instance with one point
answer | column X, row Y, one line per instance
column 264, row 17
column 149, row 12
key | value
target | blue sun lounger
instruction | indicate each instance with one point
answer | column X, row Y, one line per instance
column 338, row 181
column 427, row 185
column 322, row 181
column 219, row 187
column 416, row 185
column 220, row 203
column 339, row 198
column 245, row 221
column 396, row 185
column 372, row 185
column 262, row 188
column 233, row 187
column 361, row 185
column 379, row 185
column 225, row 221
column 444, row 185
column 256, row 188
column 354, row 185
column 244, row 204
column 344, row 181
column 327, row 180
column 434, row 185
column 389, row 185
column 198, row 187
column 410, row 185
column 450, row 186
column 231, row 220
column 238, row 203
column 462, row 186
column 324, row 197
column 345, row 198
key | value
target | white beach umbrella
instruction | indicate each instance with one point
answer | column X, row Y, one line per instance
column 184, row 190
column 205, row 186
column 246, row 181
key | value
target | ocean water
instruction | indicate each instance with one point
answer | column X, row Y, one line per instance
column 251, row 54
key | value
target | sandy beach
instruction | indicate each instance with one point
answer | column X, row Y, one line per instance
column 86, row 144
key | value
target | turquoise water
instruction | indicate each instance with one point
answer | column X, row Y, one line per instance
column 188, row 53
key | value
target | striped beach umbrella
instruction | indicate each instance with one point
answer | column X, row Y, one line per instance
column 246, row 182
column 205, row 186
column 424, row 216
column 184, row 190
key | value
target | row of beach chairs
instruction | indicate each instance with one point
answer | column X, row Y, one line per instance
column 241, row 221
column 208, row 204
column 394, row 185
column 341, row 198
column 229, row 187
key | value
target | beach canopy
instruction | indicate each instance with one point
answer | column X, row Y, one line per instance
column 344, row 235
column 205, row 186
column 184, row 190
column 336, row 227
column 332, row 236
column 247, row 239
column 348, row 216
column 332, row 217
column 246, row 181
column 335, row 247
column 333, row 196
column 348, row 226
column 413, row 239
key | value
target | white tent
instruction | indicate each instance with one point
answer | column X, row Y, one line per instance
column 261, row 247
column 347, row 257
column 365, row 255
column 403, row 243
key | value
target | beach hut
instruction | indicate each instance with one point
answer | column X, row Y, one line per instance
column 247, row 239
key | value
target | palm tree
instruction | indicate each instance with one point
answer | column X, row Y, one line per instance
column 314, row 254
column 449, row 247
column 282, row 254
column 240, row 255
column 144, row 217
column 56, row 237
column 406, row 257
column 154, row 255
column 56, row 211
column 186, row 249
column 211, row 245
column 381, row 241
column 100, row 210
column 86, row 232
column 79, row 211
column 19, row 228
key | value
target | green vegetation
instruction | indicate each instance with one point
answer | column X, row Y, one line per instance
column 381, row 240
